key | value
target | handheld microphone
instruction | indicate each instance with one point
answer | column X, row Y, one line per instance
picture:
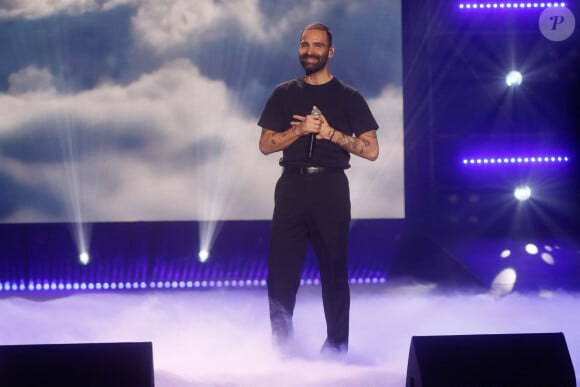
column 315, row 111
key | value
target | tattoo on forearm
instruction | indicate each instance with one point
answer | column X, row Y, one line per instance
column 276, row 137
column 353, row 144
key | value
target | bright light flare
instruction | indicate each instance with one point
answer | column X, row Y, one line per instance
column 203, row 255
column 514, row 78
column 523, row 193
column 84, row 258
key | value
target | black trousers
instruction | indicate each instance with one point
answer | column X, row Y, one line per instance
column 310, row 208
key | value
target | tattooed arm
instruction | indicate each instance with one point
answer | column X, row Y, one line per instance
column 365, row 146
column 272, row 141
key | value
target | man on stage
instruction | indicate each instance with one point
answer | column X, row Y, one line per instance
column 317, row 121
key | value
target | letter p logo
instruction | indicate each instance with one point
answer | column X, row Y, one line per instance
column 556, row 20
column 557, row 23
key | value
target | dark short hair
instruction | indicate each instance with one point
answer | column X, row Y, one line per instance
column 319, row 27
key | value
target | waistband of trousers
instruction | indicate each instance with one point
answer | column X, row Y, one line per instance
column 310, row 170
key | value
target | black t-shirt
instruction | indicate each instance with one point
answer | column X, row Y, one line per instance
column 344, row 108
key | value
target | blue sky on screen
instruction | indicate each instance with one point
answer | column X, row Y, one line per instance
column 127, row 110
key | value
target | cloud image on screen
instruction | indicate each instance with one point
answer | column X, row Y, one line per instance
column 141, row 110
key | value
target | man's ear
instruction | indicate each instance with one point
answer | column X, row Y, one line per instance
column 331, row 52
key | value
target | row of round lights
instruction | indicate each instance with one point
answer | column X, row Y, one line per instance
column 514, row 5
column 8, row 286
column 516, row 160
column 128, row 285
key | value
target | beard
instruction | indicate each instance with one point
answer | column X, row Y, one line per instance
column 313, row 67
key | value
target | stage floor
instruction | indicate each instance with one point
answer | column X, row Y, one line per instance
column 220, row 337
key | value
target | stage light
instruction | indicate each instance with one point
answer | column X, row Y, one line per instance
column 41, row 286
column 505, row 253
column 514, row 78
column 203, row 255
column 510, row 5
column 505, row 281
column 514, row 160
column 523, row 193
column 548, row 258
column 84, row 258
column 531, row 249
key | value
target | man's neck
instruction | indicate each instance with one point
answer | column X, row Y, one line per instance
column 318, row 78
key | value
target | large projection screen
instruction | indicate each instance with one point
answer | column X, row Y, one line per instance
column 146, row 110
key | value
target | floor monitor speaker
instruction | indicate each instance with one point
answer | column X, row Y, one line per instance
column 86, row 365
column 505, row 360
